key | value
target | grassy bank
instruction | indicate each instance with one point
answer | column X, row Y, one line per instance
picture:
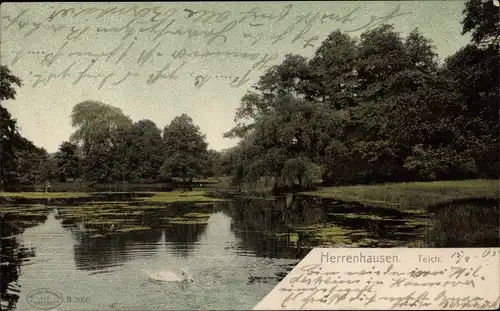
column 153, row 197
column 82, row 186
column 415, row 195
column 180, row 196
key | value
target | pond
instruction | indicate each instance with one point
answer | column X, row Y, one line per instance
column 236, row 252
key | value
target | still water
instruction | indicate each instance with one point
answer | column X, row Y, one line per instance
column 109, row 272
column 235, row 256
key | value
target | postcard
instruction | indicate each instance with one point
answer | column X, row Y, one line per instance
column 199, row 155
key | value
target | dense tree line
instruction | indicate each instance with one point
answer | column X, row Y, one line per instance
column 379, row 108
column 375, row 109
column 20, row 160
column 108, row 147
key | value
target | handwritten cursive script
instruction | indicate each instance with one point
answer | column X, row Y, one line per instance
column 163, row 43
column 413, row 279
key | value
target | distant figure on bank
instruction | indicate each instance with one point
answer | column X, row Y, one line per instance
column 47, row 187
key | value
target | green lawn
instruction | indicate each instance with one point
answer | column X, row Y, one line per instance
column 414, row 195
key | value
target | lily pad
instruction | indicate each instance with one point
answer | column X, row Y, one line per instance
column 197, row 215
column 133, row 228
column 185, row 221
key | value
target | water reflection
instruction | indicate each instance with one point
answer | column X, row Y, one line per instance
column 94, row 251
column 228, row 246
column 287, row 227
column 274, row 215
column 183, row 238
column 97, row 253
column 263, row 226
column 12, row 256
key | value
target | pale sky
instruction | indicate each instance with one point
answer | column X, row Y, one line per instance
column 59, row 40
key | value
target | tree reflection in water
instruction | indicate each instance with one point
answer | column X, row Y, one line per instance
column 12, row 255
column 108, row 251
column 93, row 253
column 264, row 225
column 183, row 238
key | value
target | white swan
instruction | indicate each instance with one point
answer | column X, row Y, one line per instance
column 180, row 277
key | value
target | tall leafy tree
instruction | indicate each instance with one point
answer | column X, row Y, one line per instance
column 213, row 167
column 185, row 149
column 67, row 162
column 148, row 150
column 96, row 127
column 32, row 164
column 138, row 148
column 291, row 77
column 333, row 78
column 482, row 19
column 97, row 165
column 285, row 145
column 95, row 122
column 474, row 71
column 7, row 83
column 378, row 109
column 20, row 160
column 10, row 140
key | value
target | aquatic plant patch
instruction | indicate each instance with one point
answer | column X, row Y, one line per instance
column 180, row 196
column 44, row 195
column 184, row 220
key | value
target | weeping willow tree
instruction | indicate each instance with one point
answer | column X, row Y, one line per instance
column 280, row 149
column 98, row 127
column 299, row 171
column 95, row 123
